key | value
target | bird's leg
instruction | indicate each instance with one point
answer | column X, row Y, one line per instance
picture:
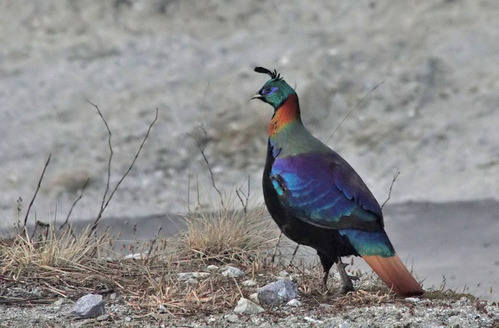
column 276, row 245
column 324, row 280
column 346, row 282
column 294, row 253
column 327, row 263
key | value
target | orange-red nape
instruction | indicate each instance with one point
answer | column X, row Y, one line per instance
column 287, row 113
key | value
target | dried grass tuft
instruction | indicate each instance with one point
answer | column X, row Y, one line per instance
column 228, row 235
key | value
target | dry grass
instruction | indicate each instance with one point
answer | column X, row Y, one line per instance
column 70, row 265
column 228, row 235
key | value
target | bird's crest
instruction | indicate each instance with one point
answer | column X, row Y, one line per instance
column 273, row 74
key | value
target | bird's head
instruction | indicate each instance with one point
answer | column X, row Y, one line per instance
column 275, row 91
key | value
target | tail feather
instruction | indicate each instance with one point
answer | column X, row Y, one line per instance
column 394, row 273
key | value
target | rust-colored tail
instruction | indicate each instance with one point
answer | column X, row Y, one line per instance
column 394, row 273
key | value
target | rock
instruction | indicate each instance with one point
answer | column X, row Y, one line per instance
column 325, row 307
column 136, row 256
column 412, row 299
column 113, row 296
column 277, row 293
column 58, row 303
column 246, row 306
column 232, row 317
column 345, row 324
column 192, row 281
column 295, row 277
column 183, row 276
column 283, row 273
column 454, row 321
column 312, row 320
column 254, row 298
column 212, row 267
column 232, row 272
column 89, row 306
column 162, row 309
column 249, row 283
column 103, row 317
column 294, row 303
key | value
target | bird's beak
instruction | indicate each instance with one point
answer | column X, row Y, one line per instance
column 256, row 96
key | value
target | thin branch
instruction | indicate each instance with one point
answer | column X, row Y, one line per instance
column 240, row 194
column 395, row 176
column 111, row 152
column 276, row 246
column 189, row 193
column 361, row 100
column 200, row 144
column 116, row 187
column 36, row 191
column 238, row 288
column 74, row 204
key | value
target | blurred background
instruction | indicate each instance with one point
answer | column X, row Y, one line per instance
column 434, row 115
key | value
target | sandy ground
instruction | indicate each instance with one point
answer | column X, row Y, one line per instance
column 434, row 117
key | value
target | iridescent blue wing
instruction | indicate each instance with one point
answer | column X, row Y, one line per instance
column 324, row 190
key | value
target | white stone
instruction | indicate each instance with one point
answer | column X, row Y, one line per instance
column 254, row 298
column 192, row 281
column 246, row 306
column 232, row 272
column 312, row 320
column 136, row 256
column 182, row 276
column 212, row 267
column 283, row 273
column 232, row 317
column 249, row 283
column 294, row 303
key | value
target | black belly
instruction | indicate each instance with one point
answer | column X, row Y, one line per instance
column 326, row 241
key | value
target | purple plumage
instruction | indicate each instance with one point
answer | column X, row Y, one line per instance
column 317, row 199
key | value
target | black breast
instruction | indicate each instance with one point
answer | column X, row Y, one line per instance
column 327, row 241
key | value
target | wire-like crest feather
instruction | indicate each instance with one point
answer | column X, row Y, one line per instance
column 273, row 74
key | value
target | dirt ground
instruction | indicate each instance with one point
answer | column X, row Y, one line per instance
column 433, row 117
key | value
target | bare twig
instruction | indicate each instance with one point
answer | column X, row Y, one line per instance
column 36, row 191
column 395, row 176
column 238, row 288
column 361, row 100
column 240, row 194
column 105, row 202
column 201, row 144
column 74, row 204
column 111, row 153
column 189, row 193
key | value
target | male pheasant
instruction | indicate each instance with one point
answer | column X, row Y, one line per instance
column 317, row 199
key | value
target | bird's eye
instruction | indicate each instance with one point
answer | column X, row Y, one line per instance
column 268, row 91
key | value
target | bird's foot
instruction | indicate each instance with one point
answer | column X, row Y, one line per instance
column 346, row 288
column 346, row 282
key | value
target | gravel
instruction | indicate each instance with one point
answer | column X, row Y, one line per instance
column 462, row 313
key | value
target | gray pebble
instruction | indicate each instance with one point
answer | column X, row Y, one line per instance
column 89, row 306
column 278, row 292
